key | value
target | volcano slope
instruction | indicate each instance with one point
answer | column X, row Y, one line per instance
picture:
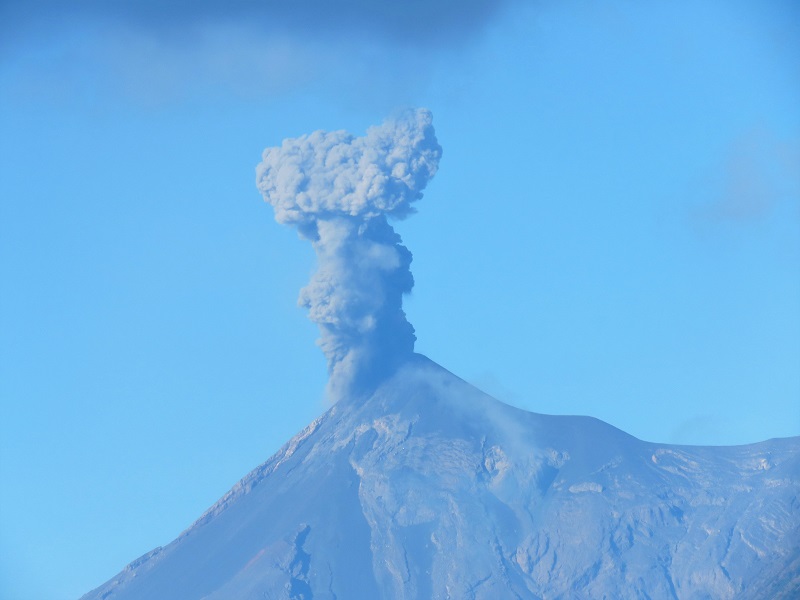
column 428, row 488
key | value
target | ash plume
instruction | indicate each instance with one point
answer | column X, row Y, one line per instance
column 340, row 192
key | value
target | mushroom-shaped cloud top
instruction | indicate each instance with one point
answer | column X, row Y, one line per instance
column 325, row 175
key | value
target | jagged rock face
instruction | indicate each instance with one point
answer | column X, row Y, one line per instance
column 431, row 489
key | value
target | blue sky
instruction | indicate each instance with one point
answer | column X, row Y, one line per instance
column 614, row 231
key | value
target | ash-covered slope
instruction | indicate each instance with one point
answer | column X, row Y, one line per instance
column 431, row 489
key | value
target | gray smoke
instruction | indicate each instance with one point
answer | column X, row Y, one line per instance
column 339, row 191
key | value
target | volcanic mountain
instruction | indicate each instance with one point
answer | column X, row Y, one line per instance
column 429, row 488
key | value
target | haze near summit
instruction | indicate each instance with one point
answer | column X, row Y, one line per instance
column 340, row 192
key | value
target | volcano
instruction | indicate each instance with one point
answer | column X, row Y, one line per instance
column 428, row 488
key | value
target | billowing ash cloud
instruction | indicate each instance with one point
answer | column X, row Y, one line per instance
column 339, row 191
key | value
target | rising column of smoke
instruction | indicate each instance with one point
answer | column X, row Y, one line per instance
column 339, row 191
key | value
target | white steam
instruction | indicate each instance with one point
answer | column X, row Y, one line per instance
column 339, row 190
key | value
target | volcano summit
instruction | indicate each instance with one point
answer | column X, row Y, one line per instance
column 431, row 489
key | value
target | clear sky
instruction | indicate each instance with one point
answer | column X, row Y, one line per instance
column 614, row 231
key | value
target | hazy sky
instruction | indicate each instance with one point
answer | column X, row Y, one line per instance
column 614, row 230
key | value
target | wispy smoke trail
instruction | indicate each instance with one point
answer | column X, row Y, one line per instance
column 339, row 191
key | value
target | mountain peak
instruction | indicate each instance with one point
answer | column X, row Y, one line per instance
column 429, row 488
